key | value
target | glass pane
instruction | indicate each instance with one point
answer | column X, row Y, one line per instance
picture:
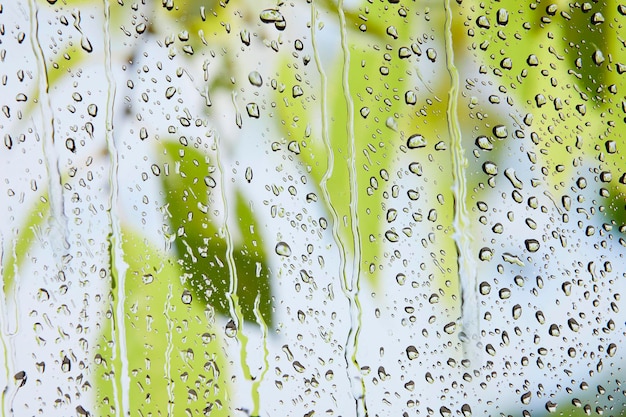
column 312, row 207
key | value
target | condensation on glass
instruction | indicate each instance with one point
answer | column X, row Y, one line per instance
column 312, row 207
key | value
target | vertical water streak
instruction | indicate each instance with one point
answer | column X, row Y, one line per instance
column 119, row 266
column 256, row 393
column 58, row 220
column 462, row 231
column 168, row 351
column 352, row 367
column 233, row 299
column 3, row 335
column 351, row 284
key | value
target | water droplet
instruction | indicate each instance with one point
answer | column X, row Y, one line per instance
column 253, row 110
column 526, row 398
column 411, row 352
column 598, row 57
column 517, row 311
column 484, row 288
column 271, row 16
column 283, row 249
column 597, row 18
column 483, row 22
column 416, row 168
column 186, row 297
column 392, row 31
column 500, row 131
column 391, row 123
column 532, row 60
column 504, row 293
column 85, row 44
column 506, row 64
column 391, row 236
column 20, row 378
column 410, row 97
column 365, row 111
column 70, row 145
column 296, row 91
column 415, row 141
column 431, row 54
column 485, row 254
column 490, row 168
column 450, row 328
column 404, row 52
column 244, row 35
column 484, row 143
column 248, row 174
column 92, row 110
column 532, row 245
column 255, row 79
column 231, row 329
column 170, row 92
column 573, row 325
column 502, row 17
column 148, row 279
column 611, row 146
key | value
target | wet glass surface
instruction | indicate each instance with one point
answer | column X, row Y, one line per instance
column 238, row 208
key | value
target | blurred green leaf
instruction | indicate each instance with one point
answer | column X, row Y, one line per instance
column 190, row 190
column 174, row 349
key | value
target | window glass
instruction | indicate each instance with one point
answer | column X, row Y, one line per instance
column 351, row 208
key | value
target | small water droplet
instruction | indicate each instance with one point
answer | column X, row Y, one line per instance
column 500, row 131
column 410, row 97
column 431, row 54
column 450, row 328
column 415, row 141
column 271, row 16
column 490, row 168
column 283, row 249
column 404, row 52
column 255, row 79
column 392, row 123
column 296, row 91
column 231, row 329
column 502, row 17
column 253, row 110
column 484, row 288
column 483, row 22
column 392, row 31
column 70, row 145
column 186, row 297
column 598, row 57
column 85, row 44
column 92, row 110
column 532, row 245
column 484, row 143
column 485, row 254
column 411, row 352
column 391, row 236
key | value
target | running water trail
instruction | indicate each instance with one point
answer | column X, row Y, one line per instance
column 233, row 299
column 58, row 220
column 462, row 236
column 349, row 273
column 119, row 267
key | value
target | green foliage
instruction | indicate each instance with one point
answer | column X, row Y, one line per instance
column 174, row 349
column 191, row 189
